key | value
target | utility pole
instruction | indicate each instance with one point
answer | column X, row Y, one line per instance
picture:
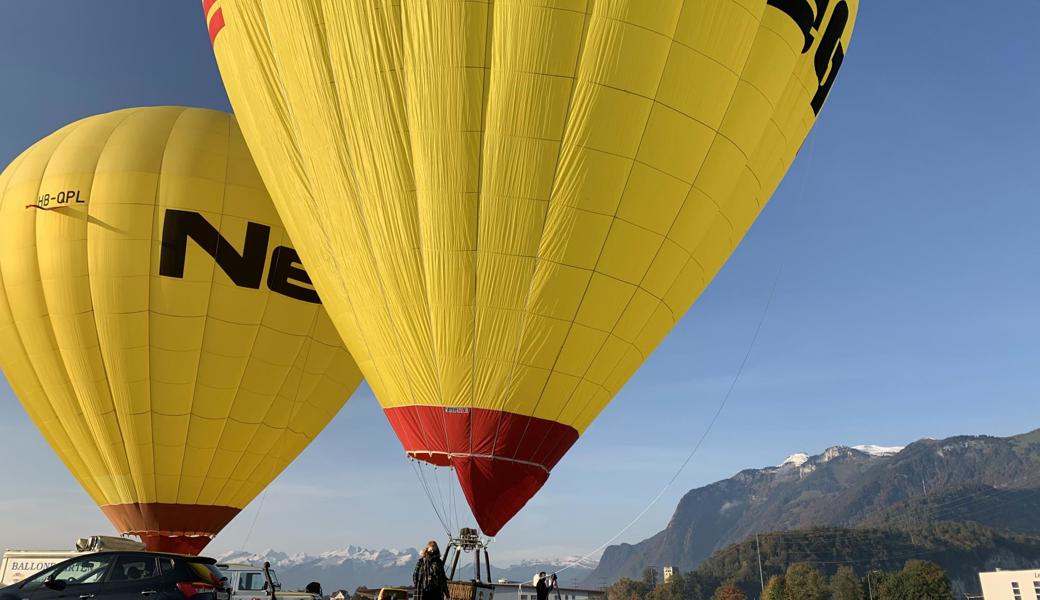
column 761, row 578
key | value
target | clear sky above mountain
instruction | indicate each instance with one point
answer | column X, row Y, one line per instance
column 905, row 239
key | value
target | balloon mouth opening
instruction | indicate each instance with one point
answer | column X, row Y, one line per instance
column 437, row 459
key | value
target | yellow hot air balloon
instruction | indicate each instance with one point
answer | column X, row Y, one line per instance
column 507, row 204
column 155, row 320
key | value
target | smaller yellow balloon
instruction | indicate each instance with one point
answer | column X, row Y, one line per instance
column 156, row 322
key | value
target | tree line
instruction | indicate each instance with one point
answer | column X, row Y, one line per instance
column 917, row 580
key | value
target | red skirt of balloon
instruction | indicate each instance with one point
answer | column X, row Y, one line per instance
column 501, row 459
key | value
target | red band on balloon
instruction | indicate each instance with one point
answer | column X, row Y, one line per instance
column 164, row 527
column 176, row 544
column 502, row 459
column 216, row 23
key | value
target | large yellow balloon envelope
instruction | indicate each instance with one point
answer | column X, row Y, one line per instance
column 155, row 320
column 508, row 204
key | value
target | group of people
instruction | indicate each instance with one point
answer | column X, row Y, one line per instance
column 432, row 584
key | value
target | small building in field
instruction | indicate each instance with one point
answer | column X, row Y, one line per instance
column 1010, row 585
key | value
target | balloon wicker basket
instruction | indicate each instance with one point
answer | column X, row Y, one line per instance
column 470, row 590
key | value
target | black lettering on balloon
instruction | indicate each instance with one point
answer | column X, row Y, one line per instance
column 821, row 9
column 801, row 12
column 286, row 276
column 245, row 269
column 830, row 53
column 284, row 271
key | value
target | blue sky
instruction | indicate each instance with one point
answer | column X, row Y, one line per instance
column 906, row 306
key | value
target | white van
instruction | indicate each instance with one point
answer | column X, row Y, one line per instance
column 16, row 565
column 247, row 582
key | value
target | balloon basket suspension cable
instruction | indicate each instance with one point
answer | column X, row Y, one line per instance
column 431, row 486
column 467, row 541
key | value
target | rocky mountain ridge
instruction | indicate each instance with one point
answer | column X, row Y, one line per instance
column 982, row 479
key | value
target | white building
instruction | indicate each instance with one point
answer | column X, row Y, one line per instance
column 1010, row 585
column 668, row 572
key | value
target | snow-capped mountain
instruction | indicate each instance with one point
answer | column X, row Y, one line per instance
column 354, row 566
column 795, row 460
column 873, row 450
column 799, row 459
column 571, row 562
column 346, row 568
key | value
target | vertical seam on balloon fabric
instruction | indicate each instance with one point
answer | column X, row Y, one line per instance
column 16, row 165
column 97, row 332
column 349, row 164
column 209, row 303
column 717, row 134
column 691, row 257
column 793, row 76
column 489, row 40
column 400, row 75
column 223, row 427
column 103, row 454
column 305, row 163
column 305, row 349
column 628, row 178
column 363, row 222
column 305, row 345
column 156, row 206
column 578, row 60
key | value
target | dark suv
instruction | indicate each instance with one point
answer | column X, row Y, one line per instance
column 124, row 576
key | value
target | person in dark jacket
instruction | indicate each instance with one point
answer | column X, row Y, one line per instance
column 428, row 578
column 544, row 586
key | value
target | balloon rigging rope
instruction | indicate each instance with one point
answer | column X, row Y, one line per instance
column 711, row 425
column 421, row 470
column 444, row 498
column 452, row 477
column 421, row 475
column 256, row 517
column 725, row 399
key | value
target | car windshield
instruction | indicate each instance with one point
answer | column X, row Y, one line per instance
column 254, row 581
column 89, row 569
column 34, row 580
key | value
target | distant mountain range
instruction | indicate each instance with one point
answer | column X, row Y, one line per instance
column 968, row 502
column 986, row 481
column 354, row 566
